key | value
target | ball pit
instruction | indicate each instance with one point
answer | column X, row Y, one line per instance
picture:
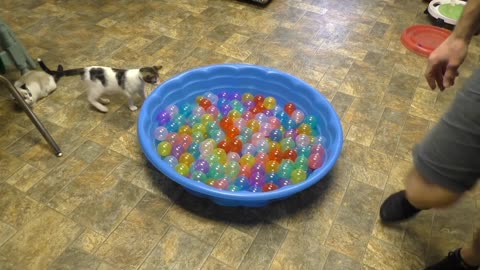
column 241, row 135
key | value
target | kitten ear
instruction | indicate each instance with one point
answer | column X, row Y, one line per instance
column 157, row 68
column 60, row 68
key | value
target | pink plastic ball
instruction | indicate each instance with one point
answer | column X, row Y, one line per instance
column 302, row 140
column 275, row 122
column 257, row 137
column 315, row 161
column 213, row 110
column 298, row 116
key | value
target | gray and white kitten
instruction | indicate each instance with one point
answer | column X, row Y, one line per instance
column 101, row 81
column 35, row 85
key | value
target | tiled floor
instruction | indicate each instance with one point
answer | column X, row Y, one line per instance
column 101, row 206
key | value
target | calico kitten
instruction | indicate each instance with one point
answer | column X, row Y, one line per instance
column 35, row 85
column 102, row 81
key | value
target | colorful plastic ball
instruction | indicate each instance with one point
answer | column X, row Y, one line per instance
column 310, row 120
column 233, row 156
column 242, row 182
column 217, row 134
column 301, row 163
column 319, row 140
column 172, row 126
column 257, row 178
column 217, row 170
column 261, row 157
column 221, row 154
column 257, row 137
column 225, row 109
column 247, row 96
column 270, row 103
column 253, row 124
column 226, row 123
column 172, row 110
column 271, row 177
column 315, row 161
column 276, row 135
column 302, row 140
column 275, row 122
column 283, row 182
column 287, row 143
column 290, row 133
column 198, row 111
column 210, row 181
column 177, row 150
column 199, row 127
column 285, row 169
column 318, row 148
column 298, row 116
column 185, row 140
column 249, row 148
column 163, row 118
column 304, row 151
column 194, row 149
column 265, row 128
column 202, row 166
column 248, row 115
column 261, row 117
column 185, row 129
column 240, row 123
column 290, row 124
column 304, row 129
column 212, row 97
column 182, row 169
column 255, row 188
column 247, row 159
column 204, row 103
column 197, row 136
column 269, row 187
column 213, row 110
column 236, row 96
column 245, row 170
column 234, row 114
column 171, row 161
column 263, row 146
column 234, row 188
column 186, row 158
column 160, row 133
column 236, row 145
column 290, row 108
column 271, row 166
column 232, row 169
column 232, row 132
column 223, row 94
column 221, row 184
column 298, row 175
column 258, row 167
column 276, row 155
column 247, row 132
column 198, row 176
column 164, row 148
column 290, row 154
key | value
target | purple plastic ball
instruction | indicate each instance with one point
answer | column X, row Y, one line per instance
column 163, row 118
column 202, row 165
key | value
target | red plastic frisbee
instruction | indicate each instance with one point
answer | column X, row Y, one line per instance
column 423, row 39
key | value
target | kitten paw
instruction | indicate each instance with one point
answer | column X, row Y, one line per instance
column 105, row 100
column 133, row 108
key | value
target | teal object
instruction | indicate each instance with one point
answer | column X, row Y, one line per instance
column 12, row 53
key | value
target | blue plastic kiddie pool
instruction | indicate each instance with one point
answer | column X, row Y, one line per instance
column 241, row 78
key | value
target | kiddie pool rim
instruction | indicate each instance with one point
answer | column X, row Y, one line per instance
column 221, row 196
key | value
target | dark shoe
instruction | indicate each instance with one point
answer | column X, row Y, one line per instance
column 397, row 208
column 452, row 262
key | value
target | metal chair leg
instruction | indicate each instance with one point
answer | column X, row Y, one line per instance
column 32, row 116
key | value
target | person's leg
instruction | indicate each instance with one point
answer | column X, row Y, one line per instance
column 467, row 257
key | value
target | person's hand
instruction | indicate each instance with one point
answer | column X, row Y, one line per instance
column 444, row 61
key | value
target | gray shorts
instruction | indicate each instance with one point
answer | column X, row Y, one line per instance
column 450, row 154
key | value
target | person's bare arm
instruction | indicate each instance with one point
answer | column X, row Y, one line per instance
column 469, row 22
column 443, row 62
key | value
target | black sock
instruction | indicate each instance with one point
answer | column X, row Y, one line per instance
column 408, row 206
